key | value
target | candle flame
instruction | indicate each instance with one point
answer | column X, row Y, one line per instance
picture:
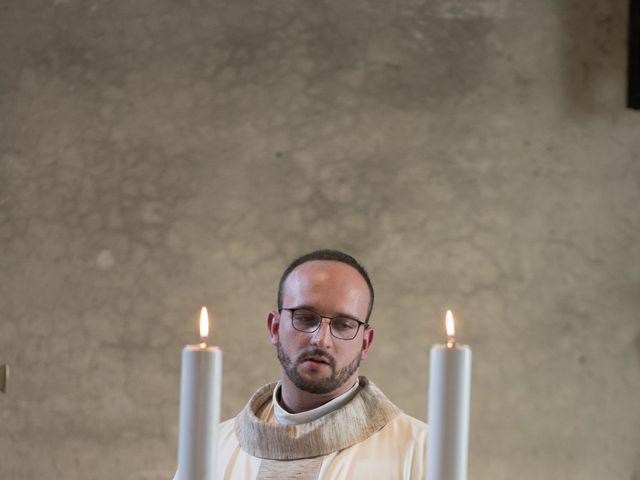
column 204, row 326
column 451, row 330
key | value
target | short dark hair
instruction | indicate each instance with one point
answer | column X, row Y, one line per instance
column 330, row 256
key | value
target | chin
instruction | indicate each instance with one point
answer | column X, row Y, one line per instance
column 314, row 375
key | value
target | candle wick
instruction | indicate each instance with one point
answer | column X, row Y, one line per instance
column 451, row 342
column 203, row 344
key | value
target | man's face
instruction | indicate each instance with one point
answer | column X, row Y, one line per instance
column 318, row 362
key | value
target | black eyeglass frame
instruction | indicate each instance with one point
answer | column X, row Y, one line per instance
column 293, row 310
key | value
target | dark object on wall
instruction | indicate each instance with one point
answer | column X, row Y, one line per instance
column 4, row 378
column 633, row 85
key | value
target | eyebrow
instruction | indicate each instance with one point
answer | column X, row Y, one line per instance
column 340, row 314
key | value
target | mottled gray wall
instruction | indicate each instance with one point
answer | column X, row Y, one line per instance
column 159, row 155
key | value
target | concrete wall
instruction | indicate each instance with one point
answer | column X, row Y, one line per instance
column 160, row 155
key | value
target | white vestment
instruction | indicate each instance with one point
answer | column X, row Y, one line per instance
column 368, row 438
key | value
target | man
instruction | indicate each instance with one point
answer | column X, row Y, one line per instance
column 322, row 421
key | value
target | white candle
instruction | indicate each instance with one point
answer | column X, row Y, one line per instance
column 448, row 419
column 201, row 377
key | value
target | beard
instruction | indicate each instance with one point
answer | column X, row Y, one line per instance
column 322, row 385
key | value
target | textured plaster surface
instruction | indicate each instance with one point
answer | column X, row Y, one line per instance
column 160, row 155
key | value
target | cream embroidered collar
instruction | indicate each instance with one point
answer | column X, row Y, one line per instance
column 363, row 416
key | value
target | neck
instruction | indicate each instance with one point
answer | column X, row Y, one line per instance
column 295, row 400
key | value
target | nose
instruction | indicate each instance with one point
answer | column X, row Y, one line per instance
column 322, row 336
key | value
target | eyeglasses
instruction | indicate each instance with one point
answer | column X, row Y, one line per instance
column 305, row 320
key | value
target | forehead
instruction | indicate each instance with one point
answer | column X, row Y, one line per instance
column 334, row 287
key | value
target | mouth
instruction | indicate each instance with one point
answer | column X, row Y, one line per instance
column 322, row 360
column 316, row 360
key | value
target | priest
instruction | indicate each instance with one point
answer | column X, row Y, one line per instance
column 321, row 420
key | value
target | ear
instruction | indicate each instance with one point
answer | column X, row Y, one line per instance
column 367, row 340
column 273, row 325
